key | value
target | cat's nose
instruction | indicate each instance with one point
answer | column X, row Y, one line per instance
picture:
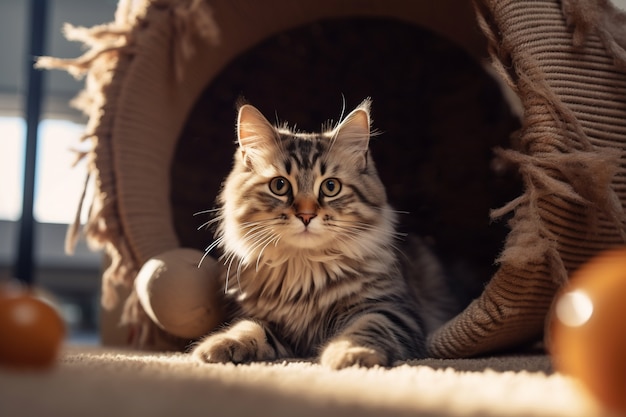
column 306, row 209
column 306, row 217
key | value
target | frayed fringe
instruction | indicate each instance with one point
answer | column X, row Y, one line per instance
column 189, row 20
column 582, row 175
column 104, row 40
column 585, row 179
column 602, row 18
column 582, row 178
column 106, row 45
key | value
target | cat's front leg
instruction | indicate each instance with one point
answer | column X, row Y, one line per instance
column 373, row 339
column 245, row 341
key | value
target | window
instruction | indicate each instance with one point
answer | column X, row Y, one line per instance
column 75, row 280
column 59, row 184
column 12, row 133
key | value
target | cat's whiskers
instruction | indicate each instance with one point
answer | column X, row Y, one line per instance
column 215, row 244
column 210, row 222
column 229, row 259
column 209, row 248
column 261, row 222
column 403, row 212
column 260, row 239
column 255, row 222
column 254, row 231
column 259, row 234
column 206, row 211
column 265, row 236
column 352, row 231
column 346, row 232
column 256, row 227
column 254, row 239
column 348, row 238
column 365, row 227
column 218, row 242
column 215, row 218
column 257, row 239
column 274, row 239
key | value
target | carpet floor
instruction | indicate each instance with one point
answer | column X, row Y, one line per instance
column 98, row 381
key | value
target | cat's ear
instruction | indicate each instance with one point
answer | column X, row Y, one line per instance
column 255, row 134
column 353, row 133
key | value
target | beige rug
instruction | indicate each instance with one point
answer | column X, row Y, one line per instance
column 94, row 381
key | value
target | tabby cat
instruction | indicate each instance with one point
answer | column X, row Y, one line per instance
column 313, row 266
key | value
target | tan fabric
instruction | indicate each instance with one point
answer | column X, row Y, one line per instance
column 146, row 69
column 129, row 88
column 144, row 72
column 570, row 157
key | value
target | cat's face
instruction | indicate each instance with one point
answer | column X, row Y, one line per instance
column 315, row 192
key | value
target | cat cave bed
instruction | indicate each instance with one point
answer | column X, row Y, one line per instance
column 515, row 203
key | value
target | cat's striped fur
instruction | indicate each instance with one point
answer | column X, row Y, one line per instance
column 309, row 243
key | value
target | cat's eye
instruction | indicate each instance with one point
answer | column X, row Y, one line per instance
column 280, row 186
column 330, row 187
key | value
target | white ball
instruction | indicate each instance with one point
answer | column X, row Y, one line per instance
column 180, row 294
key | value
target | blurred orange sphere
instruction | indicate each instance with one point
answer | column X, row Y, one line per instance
column 588, row 328
column 31, row 330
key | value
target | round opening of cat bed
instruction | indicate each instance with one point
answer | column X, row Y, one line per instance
column 438, row 113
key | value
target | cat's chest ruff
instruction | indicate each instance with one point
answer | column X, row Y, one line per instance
column 296, row 282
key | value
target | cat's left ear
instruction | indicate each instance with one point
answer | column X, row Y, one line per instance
column 353, row 133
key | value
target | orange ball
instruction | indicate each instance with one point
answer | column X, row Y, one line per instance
column 588, row 327
column 31, row 331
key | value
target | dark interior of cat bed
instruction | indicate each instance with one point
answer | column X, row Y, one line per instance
column 438, row 113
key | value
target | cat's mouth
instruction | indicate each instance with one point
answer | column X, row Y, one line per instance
column 307, row 237
column 306, row 233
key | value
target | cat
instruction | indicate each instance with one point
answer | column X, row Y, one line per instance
column 313, row 267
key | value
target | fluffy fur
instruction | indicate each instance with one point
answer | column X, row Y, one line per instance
column 309, row 243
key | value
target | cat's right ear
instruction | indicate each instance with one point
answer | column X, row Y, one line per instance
column 255, row 134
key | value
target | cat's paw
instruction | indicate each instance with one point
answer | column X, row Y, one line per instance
column 223, row 349
column 344, row 353
column 244, row 342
